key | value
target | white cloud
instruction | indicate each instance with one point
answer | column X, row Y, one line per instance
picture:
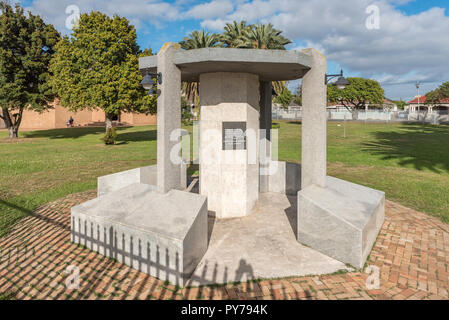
column 404, row 49
column 210, row 10
column 150, row 11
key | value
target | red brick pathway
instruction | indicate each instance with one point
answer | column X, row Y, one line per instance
column 411, row 255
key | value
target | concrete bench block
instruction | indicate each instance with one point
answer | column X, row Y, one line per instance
column 163, row 235
column 145, row 175
column 341, row 220
column 286, row 178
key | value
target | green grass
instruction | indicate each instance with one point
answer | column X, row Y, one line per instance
column 410, row 163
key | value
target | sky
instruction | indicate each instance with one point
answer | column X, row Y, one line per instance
column 397, row 42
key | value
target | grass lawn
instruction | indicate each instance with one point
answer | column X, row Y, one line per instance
column 410, row 163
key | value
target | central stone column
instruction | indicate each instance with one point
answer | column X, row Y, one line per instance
column 229, row 165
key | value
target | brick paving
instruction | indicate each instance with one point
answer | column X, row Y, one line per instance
column 411, row 256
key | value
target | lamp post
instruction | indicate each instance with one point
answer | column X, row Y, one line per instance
column 341, row 83
column 417, row 88
column 148, row 83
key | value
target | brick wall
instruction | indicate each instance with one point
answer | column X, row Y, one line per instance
column 58, row 117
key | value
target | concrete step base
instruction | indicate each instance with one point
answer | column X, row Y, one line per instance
column 341, row 220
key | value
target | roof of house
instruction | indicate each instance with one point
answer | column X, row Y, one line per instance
column 423, row 99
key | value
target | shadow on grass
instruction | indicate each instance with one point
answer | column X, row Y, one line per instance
column 423, row 147
column 75, row 133
column 136, row 136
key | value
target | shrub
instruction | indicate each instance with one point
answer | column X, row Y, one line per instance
column 110, row 136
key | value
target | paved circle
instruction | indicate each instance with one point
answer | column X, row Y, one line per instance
column 38, row 261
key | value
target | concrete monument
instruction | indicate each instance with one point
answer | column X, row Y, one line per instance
column 149, row 208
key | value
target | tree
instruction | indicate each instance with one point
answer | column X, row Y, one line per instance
column 265, row 36
column 297, row 97
column 200, row 39
column 197, row 40
column 26, row 47
column 234, row 35
column 400, row 104
column 97, row 67
column 284, row 98
column 359, row 93
column 434, row 97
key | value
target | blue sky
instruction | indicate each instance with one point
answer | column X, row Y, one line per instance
column 410, row 42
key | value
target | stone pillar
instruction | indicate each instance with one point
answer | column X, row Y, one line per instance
column 229, row 178
column 265, row 126
column 168, row 119
column 314, row 120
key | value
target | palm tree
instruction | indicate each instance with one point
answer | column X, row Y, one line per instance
column 197, row 40
column 265, row 36
column 200, row 39
column 234, row 35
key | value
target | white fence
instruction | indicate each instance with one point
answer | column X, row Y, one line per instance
column 435, row 117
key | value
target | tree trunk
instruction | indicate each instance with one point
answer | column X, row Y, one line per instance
column 13, row 132
column 355, row 114
column 109, row 117
column 12, row 122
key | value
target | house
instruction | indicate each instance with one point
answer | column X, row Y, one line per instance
column 58, row 116
column 419, row 103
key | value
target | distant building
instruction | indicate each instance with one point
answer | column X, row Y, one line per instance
column 58, row 116
column 419, row 102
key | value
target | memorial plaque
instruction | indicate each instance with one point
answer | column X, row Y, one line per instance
column 234, row 135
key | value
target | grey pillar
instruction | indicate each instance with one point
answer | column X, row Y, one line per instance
column 313, row 163
column 265, row 125
column 168, row 119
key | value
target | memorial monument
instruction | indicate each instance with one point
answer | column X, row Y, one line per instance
column 145, row 217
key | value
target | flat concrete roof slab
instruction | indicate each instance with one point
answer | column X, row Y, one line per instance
column 270, row 65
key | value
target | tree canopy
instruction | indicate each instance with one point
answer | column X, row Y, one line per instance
column 284, row 98
column 200, row 39
column 26, row 47
column 435, row 96
column 359, row 93
column 97, row 67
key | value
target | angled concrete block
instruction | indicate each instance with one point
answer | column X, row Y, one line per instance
column 163, row 235
column 117, row 181
column 145, row 175
column 341, row 220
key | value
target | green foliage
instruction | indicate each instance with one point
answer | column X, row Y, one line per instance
column 357, row 94
column 260, row 36
column 234, row 35
column 26, row 47
column 265, row 36
column 110, row 136
column 297, row 97
column 200, row 39
column 435, row 96
column 186, row 115
column 284, row 98
column 400, row 104
column 97, row 67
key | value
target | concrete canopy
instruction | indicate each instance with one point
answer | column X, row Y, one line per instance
column 269, row 65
